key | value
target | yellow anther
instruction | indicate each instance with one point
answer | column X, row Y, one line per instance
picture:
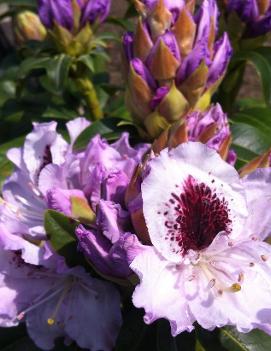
column 50, row 321
column 235, row 287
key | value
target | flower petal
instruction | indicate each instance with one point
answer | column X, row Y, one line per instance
column 258, row 193
column 159, row 293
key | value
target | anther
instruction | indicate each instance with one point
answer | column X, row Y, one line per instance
column 211, row 283
column 264, row 258
column 235, row 287
column 50, row 321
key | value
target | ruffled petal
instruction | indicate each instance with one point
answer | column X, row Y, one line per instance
column 43, row 146
column 225, row 294
column 258, row 193
column 159, row 292
column 76, row 127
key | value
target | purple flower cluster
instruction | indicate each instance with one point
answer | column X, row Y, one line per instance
column 64, row 12
column 255, row 13
column 180, row 218
column 37, row 285
column 174, row 61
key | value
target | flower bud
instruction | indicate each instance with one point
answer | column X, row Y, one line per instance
column 28, row 27
column 256, row 14
column 178, row 47
column 69, row 21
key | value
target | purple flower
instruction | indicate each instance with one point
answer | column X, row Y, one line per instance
column 255, row 13
column 179, row 51
column 57, row 303
column 210, row 127
column 37, row 287
column 61, row 12
column 206, row 252
column 95, row 10
column 49, row 175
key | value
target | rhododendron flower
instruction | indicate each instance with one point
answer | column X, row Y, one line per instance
column 49, row 175
column 174, row 62
column 36, row 284
column 206, row 228
column 58, row 302
column 210, row 127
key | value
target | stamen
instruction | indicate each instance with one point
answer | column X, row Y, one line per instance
column 235, row 287
column 22, row 314
column 211, row 283
column 264, row 258
column 51, row 320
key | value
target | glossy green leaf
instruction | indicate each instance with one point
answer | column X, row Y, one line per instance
column 57, row 70
column 107, row 127
column 251, row 138
column 233, row 340
column 60, row 231
column 262, row 64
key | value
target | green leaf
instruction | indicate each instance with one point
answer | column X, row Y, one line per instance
column 233, row 340
column 248, row 137
column 88, row 62
column 22, row 3
column 32, row 63
column 60, row 230
column 107, row 127
column 5, row 165
column 59, row 112
column 199, row 347
column 57, row 70
column 261, row 62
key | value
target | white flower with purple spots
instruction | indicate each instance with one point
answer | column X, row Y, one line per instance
column 208, row 262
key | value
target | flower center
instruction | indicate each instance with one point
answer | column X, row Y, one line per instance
column 199, row 215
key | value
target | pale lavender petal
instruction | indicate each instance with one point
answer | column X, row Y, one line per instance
column 167, row 302
column 43, row 146
column 76, row 127
column 60, row 199
column 258, row 193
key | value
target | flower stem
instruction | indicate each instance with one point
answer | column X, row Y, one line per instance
column 86, row 87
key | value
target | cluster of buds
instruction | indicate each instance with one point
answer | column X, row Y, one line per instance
column 174, row 62
column 27, row 26
column 256, row 14
column 210, row 127
column 69, row 22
